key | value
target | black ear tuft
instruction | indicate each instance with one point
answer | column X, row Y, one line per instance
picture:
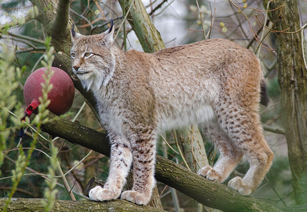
column 73, row 33
column 111, row 26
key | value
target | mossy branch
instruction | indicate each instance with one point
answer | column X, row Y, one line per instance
column 29, row 205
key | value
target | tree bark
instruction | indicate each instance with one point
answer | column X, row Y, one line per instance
column 27, row 205
column 293, row 83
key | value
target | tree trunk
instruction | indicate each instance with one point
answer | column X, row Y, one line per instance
column 27, row 205
column 193, row 148
column 293, row 83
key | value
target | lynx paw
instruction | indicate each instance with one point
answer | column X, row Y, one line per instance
column 239, row 185
column 101, row 194
column 135, row 197
column 209, row 173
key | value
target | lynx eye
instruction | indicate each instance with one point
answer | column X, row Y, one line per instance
column 73, row 55
column 87, row 54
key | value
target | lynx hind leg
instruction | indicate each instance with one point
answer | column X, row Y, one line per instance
column 120, row 162
column 230, row 155
column 144, row 151
column 245, row 130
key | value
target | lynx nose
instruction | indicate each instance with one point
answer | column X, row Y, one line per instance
column 76, row 68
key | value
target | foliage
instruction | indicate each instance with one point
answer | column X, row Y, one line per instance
column 9, row 76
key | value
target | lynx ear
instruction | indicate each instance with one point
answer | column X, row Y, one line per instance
column 108, row 38
column 74, row 34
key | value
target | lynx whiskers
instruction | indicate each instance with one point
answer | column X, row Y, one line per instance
column 214, row 83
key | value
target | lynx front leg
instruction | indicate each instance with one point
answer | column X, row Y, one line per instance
column 143, row 150
column 120, row 162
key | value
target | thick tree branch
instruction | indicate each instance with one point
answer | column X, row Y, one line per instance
column 204, row 191
column 61, row 19
column 27, row 205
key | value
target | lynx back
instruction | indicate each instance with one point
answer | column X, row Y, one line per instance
column 214, row 83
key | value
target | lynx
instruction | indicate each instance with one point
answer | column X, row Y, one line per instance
column 214, row 83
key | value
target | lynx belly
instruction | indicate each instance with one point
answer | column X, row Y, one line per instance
column 180, row 119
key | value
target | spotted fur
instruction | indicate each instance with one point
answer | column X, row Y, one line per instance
column 214, row 83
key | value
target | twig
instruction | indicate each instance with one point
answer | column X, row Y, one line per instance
column 262, row 35
column 100, row 10
column 124, row 29
column 185, row 162
column 69, row 190
column 19, row 190
column 240, row 24
column 250, row 25
column 165, row 8
column 212, row 21
column 274, row 130
column 79, row 111
column 27, row 38
column 201, row 20
column 258, row 32
column 270, row 68
column 280, row 198
column 30, row 50
column 65, row 182
column 169, row 144
column 105, row 23
column 18, row 40
column 124, row 19
column 13, row 114
column 37, row 62
column 78, row 163
column 44, row 176
column 157, row 7
column 35, row 149
column 90, row 24
column 150, row 4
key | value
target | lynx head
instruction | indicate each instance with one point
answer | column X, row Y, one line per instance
column 92, row 58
